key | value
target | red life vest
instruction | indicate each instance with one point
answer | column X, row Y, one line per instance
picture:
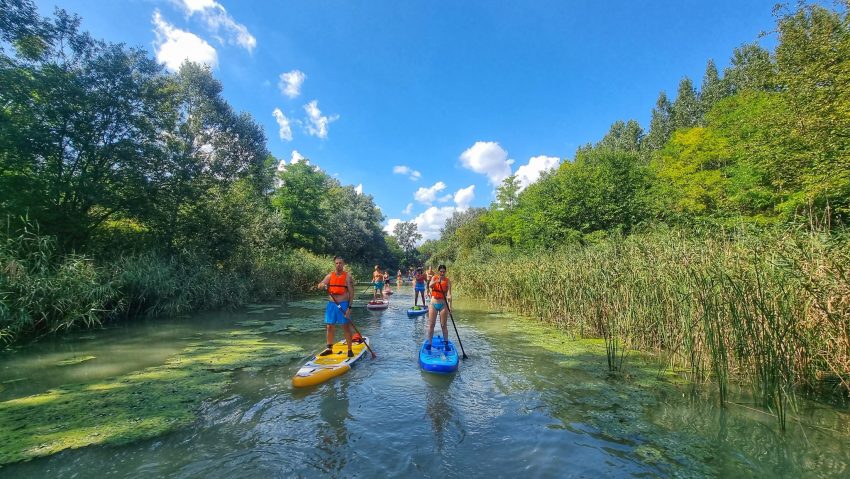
column 338, row 284
column 439, row 288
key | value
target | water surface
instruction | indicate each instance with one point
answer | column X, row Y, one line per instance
column 527, row 401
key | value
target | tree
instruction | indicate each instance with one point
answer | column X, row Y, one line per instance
column 660, row 125
column 686, row 109
column 81, row 141
column 507, row 192
column 690, row 181
column 626, row 136
column 751, row 69
column 300, row 201
column 407, row 235
column 354, row 225
column 713, row 90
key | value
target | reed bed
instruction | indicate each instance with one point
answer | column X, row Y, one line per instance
column 769, row 309
column 43, row 292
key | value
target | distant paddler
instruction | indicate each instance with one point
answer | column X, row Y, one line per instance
column 378, row 281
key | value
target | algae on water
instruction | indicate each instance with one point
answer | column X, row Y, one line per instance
column 75, row 360
column 288, row 325
column 134, row 406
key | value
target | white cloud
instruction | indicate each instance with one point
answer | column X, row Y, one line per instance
column 290, row 83
column 428, row 223
column 359, row 189
column 405, row 170
column 285, row 130
column 464, row 196
column 536, row 166
column 407, row 209
column 217, row 19
column 174, row 46
column 296, row 157
column 391, row 225
column 429, row 195
column 432, row 220
column 318, row 125
column 444, row 199
column 488, row 158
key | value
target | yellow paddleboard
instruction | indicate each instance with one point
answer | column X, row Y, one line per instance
column 321, row 368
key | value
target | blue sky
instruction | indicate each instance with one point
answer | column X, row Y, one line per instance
column 428, row 104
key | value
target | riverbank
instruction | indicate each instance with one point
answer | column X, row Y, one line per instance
column 769, row 309
column 45, row 292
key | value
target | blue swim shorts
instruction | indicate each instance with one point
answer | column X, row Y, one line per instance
column 333, row 315
column 379, row 285
column 419, row 287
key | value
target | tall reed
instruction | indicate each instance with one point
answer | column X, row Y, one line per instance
column 44, row 292
column 768, row 308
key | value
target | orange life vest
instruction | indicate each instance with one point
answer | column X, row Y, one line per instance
column 338, row 284
column 439, row 288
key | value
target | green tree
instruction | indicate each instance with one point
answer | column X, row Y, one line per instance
column 407, row 235
column 660, row 125
column 299, row 199
column 354, row 225
column 507, row 193
column 80, row 142
column 626, row 136
column 690, row 181
column 751, row 69
column 813, row 68
column 713, row 90
column 686, row 108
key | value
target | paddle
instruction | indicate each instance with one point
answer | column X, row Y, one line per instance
column 355, row 326
column 455, row 326
column 456, row 333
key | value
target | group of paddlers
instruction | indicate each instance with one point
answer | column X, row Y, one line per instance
column 340, row 288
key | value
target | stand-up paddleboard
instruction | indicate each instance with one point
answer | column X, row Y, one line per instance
column 388, row 292
column 413, row 312
column 438, row 359
column 378, row 305
column 321, row 368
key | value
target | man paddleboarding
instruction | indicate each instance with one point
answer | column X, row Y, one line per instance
column 338, row 310
column 378, row 281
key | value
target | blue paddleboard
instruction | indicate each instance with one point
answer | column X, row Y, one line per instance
column 438, row 359
column 412, row 312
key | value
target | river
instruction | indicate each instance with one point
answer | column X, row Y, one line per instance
column 527, row 402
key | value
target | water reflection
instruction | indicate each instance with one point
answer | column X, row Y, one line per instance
column 332, row 434
column 438, row 405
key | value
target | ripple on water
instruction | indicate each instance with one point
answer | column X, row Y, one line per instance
column 527, row 402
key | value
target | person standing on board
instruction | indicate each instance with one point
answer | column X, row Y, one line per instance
column 378, row 281
column 419, row 287
column 387, row 283
column 338, row 311
column 398, row 279
column 441, row 296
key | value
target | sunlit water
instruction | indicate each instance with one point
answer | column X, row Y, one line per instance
column 512, row 410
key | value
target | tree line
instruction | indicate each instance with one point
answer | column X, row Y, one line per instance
column 104, row 149
column 767, row 142
column 132, row 190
